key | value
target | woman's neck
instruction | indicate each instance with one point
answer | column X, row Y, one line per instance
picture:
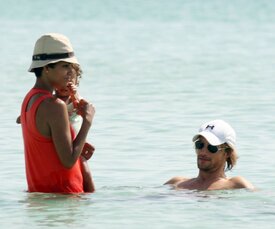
column 40, row 84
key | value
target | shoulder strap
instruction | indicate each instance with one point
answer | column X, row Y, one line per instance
column 31, row 126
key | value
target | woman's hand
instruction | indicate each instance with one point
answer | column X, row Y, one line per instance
column 73, row 94
column 87, row 151
column 86, row 110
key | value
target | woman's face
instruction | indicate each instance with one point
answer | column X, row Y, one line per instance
column 65, row 74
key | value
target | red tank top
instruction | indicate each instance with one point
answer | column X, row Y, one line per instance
column 44, row 171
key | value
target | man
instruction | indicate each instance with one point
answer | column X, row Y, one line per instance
column 215, row 145
column 51, row 151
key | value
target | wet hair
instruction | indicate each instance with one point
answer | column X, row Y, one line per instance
column 38, row 71
column 79, row 72
column 232, row 157
column 76, row 67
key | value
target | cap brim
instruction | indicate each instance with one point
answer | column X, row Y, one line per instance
column 42, row 63
column 211, row 138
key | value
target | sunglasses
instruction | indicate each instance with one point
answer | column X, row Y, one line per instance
column 212, row 149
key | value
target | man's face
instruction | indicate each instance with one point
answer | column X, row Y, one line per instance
column 207, row 161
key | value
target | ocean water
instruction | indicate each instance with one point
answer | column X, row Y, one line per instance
column 155, row 71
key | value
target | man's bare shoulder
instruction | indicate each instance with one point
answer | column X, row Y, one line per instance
column 241, row 182
column 176, row 180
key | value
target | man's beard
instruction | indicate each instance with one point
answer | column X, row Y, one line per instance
column 206, row 168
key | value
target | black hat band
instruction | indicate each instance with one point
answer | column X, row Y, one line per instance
column 53, row 56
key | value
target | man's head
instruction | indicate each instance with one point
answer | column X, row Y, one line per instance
column 50, row 49
column 215, row 145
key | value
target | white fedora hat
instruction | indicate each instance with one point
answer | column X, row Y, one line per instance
column 52, row 48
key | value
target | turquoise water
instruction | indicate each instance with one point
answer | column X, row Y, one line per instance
column 155, row 71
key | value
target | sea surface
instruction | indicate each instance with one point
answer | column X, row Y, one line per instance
column 155, row 70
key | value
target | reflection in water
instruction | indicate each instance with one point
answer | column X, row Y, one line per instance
column 115, row 204
column 166, row 193
column 55, row 209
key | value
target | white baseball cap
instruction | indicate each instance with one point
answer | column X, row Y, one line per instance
column 52, row 48
column 217, row 132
